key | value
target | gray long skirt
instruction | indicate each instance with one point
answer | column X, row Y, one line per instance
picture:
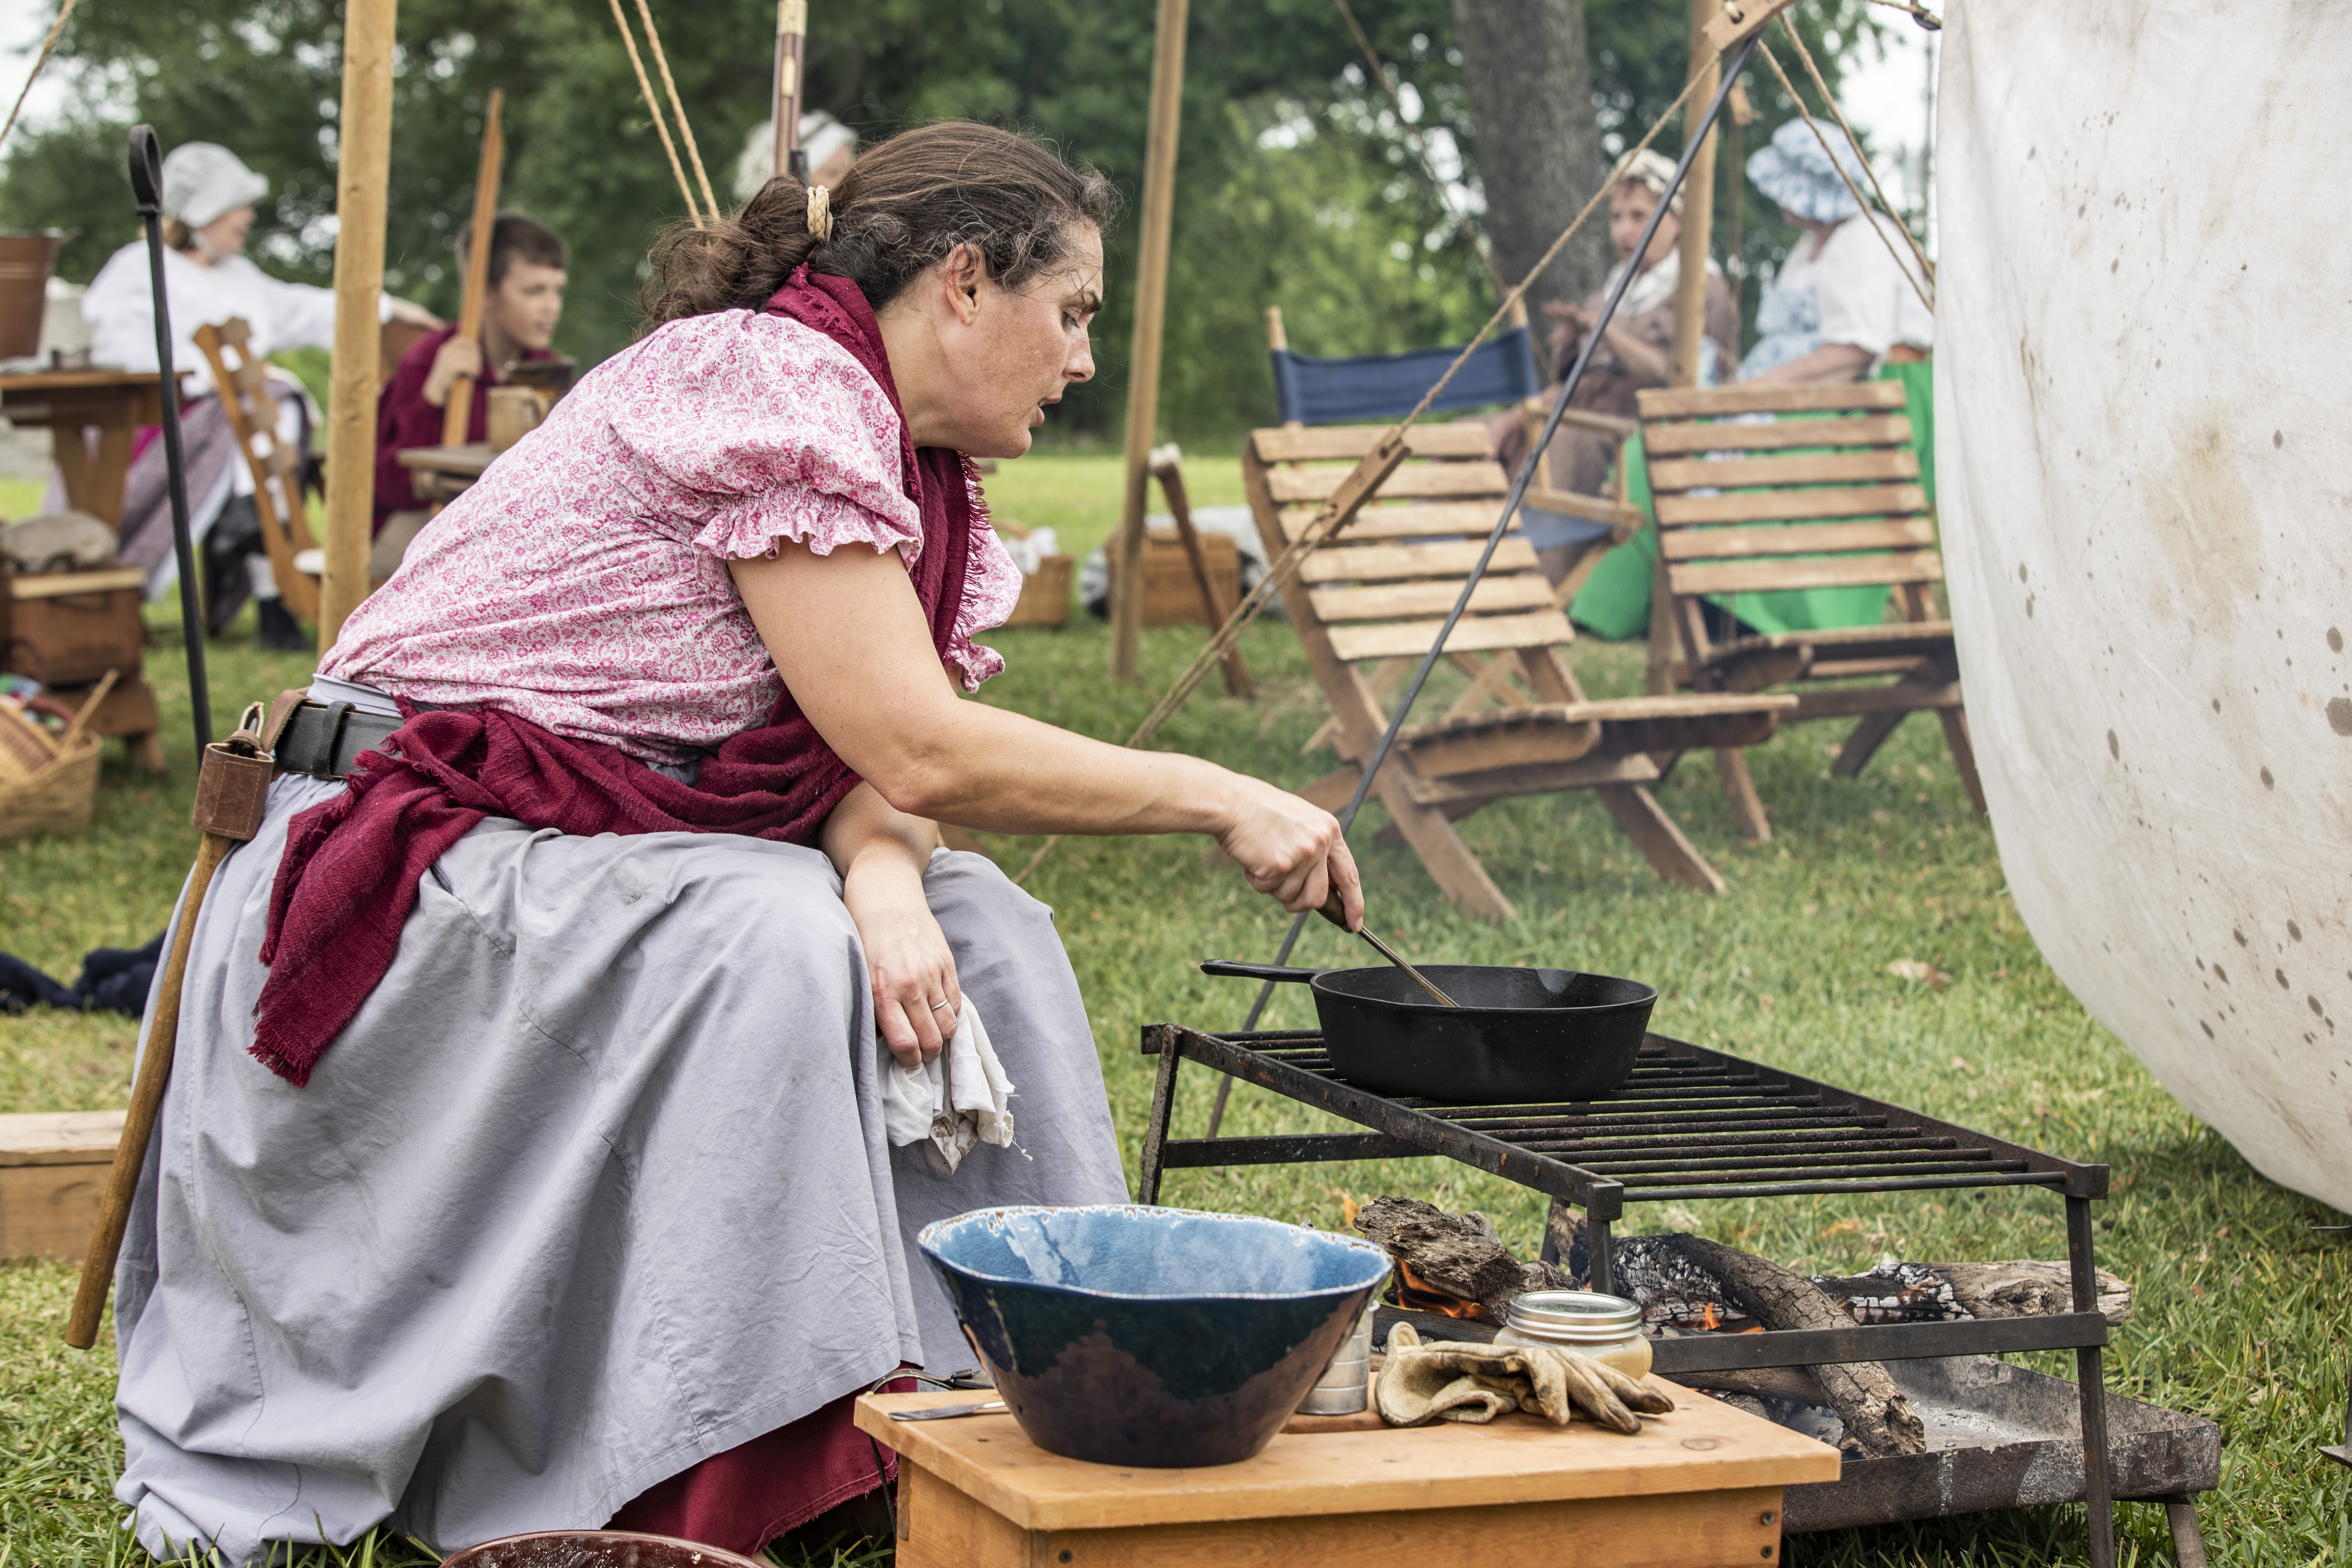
column 594, row 1187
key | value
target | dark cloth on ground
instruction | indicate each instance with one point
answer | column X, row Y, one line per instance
column 352, row 864
column 113, row 979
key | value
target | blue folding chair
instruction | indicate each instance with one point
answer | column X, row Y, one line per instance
column 1379, row 389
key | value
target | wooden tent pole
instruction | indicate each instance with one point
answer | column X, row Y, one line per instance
column 1151, row 307
column 457, row 412
column 364, row 170
column 791, row 52
column 1698, row 205
column 1690, row 303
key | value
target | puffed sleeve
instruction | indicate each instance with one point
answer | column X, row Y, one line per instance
column 774, row 431
column 1860, row 285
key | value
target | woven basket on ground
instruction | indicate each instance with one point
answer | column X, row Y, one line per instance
column 48, row 785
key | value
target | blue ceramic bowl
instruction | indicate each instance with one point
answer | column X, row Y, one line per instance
column 1154, row 1337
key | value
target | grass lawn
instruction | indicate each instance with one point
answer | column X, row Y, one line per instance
column 2240, row 1313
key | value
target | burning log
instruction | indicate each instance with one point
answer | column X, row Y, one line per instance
column 1441, row 1254
column 1463, row 1254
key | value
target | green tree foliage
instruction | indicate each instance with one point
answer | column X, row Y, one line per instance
column 1296, row 188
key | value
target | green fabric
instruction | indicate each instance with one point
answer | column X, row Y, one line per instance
column 1615, row 602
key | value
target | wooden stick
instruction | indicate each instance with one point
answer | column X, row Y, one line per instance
column 1167, row 466
column 146, row 1099
column 1150, row 306
column 685, row 131
column 82, row 714
column 458, row 414
column 791, row 52
column 362, row 173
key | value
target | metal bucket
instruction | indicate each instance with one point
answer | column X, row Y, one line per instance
column 26, row 260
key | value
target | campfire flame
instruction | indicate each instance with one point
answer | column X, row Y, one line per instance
column 1707, row 1320
column 1417, row 1293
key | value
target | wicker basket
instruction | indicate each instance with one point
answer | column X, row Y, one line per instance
column 57, row 797
column 1045, row 597
column 46, row 785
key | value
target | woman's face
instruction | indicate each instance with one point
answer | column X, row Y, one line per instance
column 1009, row 352
column 225, row 236
column 1630, row 206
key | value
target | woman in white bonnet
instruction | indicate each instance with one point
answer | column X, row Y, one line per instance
column 208, row 197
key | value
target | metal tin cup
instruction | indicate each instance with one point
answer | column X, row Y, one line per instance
column 1345, row 1387
column 1607, row 1328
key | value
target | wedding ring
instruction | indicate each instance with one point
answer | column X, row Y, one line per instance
column 937, row 1006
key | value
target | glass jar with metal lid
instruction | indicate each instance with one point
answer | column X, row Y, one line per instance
column 1606, row 1327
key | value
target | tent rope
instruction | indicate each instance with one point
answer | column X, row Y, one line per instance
column 1927, row 267
column 1328, row 522
column 47, row 46
column 685, row 127
column 1927, row 19
column 1917, row 287
column 653, row 107
column 1462, row 218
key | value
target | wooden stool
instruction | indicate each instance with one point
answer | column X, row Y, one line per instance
column 1701, row 1486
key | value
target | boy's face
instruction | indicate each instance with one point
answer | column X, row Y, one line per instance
column 528, row 302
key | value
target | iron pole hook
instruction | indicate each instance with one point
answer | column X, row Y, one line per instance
column 147, row 190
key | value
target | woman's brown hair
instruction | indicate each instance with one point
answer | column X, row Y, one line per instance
column 902, row 208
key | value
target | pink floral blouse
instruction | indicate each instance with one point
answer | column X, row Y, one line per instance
column 583, row 583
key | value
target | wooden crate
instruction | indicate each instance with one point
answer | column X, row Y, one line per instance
column 52, row 1171
column 1170, row 598
column 1700, row 1485
column 66, row 628
column 1046, row 595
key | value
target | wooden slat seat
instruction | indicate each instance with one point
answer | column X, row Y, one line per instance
column 252, row 411
column 1377, row 595
column 1760, row 488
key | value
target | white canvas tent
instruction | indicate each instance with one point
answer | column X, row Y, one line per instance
column 2147, row 491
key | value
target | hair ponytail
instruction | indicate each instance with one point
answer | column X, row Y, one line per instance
column 902, row 208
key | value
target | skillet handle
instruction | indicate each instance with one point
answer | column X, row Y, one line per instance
column 1226, row 968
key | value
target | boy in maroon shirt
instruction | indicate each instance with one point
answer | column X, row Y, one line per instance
column 519, row 309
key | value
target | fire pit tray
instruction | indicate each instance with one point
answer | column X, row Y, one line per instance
column 2000, row 1436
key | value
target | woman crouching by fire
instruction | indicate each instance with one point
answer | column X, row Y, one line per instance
column 529, row 1159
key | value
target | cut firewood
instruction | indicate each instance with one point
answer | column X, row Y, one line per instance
column 1788, row 1384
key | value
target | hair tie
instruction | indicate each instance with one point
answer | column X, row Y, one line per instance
column 820, row 213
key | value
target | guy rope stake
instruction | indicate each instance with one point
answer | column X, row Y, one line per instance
column 232, row 788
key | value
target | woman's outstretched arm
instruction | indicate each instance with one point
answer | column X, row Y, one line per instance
column 850, row 640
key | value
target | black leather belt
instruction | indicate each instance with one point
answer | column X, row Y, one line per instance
column 323, row 739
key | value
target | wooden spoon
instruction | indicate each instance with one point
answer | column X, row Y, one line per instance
column 1333, row 912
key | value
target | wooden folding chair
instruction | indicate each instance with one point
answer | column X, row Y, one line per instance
column 1364, row 387
column 1381, row 590
column 295, row 559
column 1766, row 488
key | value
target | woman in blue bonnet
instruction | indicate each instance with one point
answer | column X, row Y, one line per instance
column 1841, row 302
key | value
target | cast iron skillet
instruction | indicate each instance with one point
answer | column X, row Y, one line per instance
column 1538, row 1035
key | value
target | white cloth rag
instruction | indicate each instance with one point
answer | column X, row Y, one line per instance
column 954, row 1100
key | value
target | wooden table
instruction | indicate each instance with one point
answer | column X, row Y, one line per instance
column 1701, row 1486
column 114, row 403
column 445, row 473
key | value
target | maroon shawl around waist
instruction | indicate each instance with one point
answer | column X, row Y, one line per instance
column 348, row 877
